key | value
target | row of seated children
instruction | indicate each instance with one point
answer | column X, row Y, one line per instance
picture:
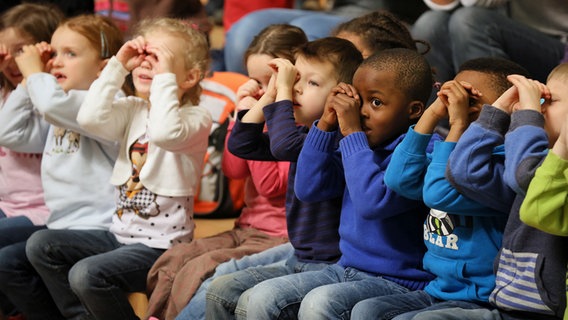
column 340, row 118
column 461, row 220
column 474, row 214
column 82, row 264
column 372, row 32
column 69, row 158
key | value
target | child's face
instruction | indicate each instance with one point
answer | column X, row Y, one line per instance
column 555, row 109
column 482, row 82
column 259, row 70
column 142, row 75
column 357, row 42
column 76, row 63
column 385, row 110
column 316, row 79
column 14, row 41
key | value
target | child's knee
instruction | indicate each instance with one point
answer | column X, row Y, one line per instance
column 82, row 278
column 36, row 246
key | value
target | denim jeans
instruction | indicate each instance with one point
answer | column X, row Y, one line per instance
column 240, row 35
column 22, row 284
column 456, row 313
column 274, row 256
column 89, row 273
column 329, row 293
column 474, row 32
column 404, row 306
column 227, row 295
column 13, row 230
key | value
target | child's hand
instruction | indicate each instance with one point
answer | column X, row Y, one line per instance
column 251, row 88
column 161, row 58
column 245, row 104
column 438, row 108
column 30, row 61
column 347, row 108
column 286, row 77
column 456, row 98
column 5, row 57
column 328, row 119
column 530, row 92
column 132, row 53
column 507, row 101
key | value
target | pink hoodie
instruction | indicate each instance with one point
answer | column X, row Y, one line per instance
column 21, row 192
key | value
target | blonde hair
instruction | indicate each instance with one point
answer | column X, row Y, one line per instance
column 37, row 21
column 196, row 48
column 559, row 72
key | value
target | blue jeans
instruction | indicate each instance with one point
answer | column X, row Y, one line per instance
column 278, row 255
column 330, row 293
column 457, row 314
column 227, row 295
column 404, row 306
column 22, row 284
column 240, row 35
column 474, row 32
column 13, row 230
column 89, row 273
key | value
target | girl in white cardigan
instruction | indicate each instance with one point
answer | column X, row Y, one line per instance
column 163, row 137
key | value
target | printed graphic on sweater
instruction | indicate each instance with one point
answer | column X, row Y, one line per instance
column 439, row 229
column 133, row 195
column 66, row 141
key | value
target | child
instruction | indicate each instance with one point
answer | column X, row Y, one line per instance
column 163, row 137
column 275, row 41
column 376, row 31
column 75, row 168
column 179, row 272
column 545, row 206
column 290, row 106
column 458, row 233
column 530, row 262
column 389, row 93
column 21, row 193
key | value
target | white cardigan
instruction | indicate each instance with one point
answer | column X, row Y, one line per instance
column 178, row 135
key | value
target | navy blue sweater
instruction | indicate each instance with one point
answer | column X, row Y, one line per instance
column 313, row 227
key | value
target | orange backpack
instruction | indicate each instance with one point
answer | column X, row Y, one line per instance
column 219, row 197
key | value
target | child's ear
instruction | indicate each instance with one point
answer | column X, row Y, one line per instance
column 102, row 65
column 415, row 110
column 193, row 76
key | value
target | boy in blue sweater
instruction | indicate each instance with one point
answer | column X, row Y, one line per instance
column 294, row 100
column 459, row 233
column 380, row 231
column 531, row 264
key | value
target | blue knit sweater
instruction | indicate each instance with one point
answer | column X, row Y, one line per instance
column 381, row 231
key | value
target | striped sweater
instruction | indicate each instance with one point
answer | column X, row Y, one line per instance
column 531, row 264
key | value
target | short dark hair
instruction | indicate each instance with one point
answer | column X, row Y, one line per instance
column 342, row 54
column 413, row 73
column 497, row 68
column 380, row 30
